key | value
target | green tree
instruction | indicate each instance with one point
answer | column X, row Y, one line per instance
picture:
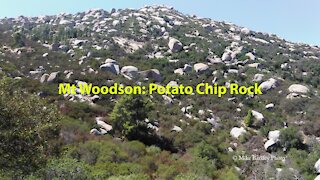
column 28, row 127
column 248, row 119
column 18, row 39
column 129, row 114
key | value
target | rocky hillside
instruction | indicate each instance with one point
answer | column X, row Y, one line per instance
column 180, row 137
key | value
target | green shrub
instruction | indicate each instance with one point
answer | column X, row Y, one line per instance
column 130, row 177
column 304, row 161
column 108, row 169
column 190, row 176
column 135, row 149
column 67, row 169
column 204, row 150
column 94, row 152
column 152, row 150
column 290, row 138
column 166, row 172
column 228, row 174
column 203, row 167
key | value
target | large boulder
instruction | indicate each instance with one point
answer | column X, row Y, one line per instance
column 214, row 60
column 62, row 47
column 187, row 68
column 257, row 115
column 226, row 56
column 66, row 22
column 213, row 120
column 130, row 71
column 115, row 22
column 176, row 129
column 110, row 67
column 53, row 76
column 168, row 100
column 317, row 166
column 96, row 132
column 173, row 84
column 245, row 31
column 269, row 84
column 251, row 56
column 237, row 132
column 255, row 65
column 104, row 127
column 44, row 78
column 35, row 72
column 69, row 75
column 258, row 77
column 274, row 135
column 270, row 143
column 179, row 71
column 78, row 42
column 233, row 71
column 200, row 67
column 45, row 55
column 111, row 61
column 292, row 96
column 175, row 45
column 258, row 119
column 208, row 27
column 270, row 106
column 285, row 66
column 298, row 88
column 152, row 74
column 273, row 139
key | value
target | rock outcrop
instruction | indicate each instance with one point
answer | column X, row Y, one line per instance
column 237, row 132
column 175, row 45
column 200, row 68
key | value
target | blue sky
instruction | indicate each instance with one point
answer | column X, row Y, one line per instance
column 294, row 20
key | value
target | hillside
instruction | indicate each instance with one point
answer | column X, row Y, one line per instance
column 46, row 135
